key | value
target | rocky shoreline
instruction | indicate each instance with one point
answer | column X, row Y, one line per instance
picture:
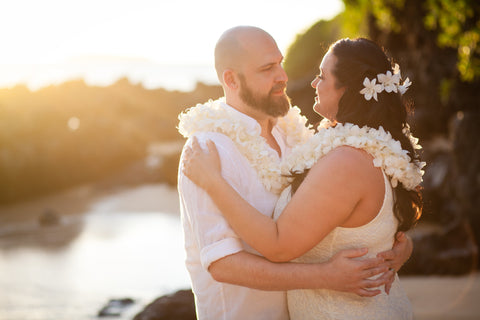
column 179, row 305
column 432, row 298
column 428, row 293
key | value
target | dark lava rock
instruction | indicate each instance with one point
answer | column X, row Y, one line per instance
column 450, row 251
column 115, row 307
column 49, row 218
column 179, row 306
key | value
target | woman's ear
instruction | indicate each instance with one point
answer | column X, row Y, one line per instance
column 230, row 79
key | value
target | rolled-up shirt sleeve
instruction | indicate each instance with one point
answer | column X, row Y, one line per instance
column 213, row 235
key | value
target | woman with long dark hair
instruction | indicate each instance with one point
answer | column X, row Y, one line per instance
column 355, row 183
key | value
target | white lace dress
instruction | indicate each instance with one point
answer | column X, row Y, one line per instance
column 377, row 235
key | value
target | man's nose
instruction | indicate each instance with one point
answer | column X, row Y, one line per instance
column 282, row 75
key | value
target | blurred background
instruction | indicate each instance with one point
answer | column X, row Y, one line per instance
column 90, row 92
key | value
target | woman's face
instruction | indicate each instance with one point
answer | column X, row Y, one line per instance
column 328, row 95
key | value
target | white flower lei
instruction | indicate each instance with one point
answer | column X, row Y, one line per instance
column 386, row 151
column 212, row 117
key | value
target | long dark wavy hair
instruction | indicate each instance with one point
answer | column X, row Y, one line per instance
column 357, row 59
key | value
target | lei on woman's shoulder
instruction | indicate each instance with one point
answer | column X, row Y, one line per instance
column 386, row 151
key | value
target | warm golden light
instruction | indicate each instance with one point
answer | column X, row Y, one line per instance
column 47, row 39
column 73, row 123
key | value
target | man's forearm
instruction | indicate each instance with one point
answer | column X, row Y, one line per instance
column 249, row 270
column 343, row 272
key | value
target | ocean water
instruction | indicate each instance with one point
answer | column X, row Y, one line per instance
column 103, row 72
column 70, row 271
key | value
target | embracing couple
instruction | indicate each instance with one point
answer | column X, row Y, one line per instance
column 282, row 223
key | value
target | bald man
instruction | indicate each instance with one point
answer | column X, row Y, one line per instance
column 230, row 280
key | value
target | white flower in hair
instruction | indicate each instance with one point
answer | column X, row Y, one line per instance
column 404, row 87
column 371, row 89
column 390, row 81
column 396, row 70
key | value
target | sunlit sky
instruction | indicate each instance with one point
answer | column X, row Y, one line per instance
column 167, row 32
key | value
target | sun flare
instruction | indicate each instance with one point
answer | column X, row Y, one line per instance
column 45, row 38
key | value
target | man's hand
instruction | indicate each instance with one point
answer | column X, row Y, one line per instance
column 396, row 258
column 351, row 275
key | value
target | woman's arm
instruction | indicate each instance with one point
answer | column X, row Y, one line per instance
column 335, row 185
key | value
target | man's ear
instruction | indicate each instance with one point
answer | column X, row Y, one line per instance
column 230, row 79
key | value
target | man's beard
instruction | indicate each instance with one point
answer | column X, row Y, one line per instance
column 275, row 106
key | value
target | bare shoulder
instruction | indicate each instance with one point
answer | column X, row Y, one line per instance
column 350, row 165
column 348, row 158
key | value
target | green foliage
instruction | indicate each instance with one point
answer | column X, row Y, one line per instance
column 456, row 22
column 355, row 15
column 358, row 12
column 445, row 89
column 458, row 26
column 383, row 11
column 305, row 53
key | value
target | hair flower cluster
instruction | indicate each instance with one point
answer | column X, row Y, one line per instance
column 387, row 82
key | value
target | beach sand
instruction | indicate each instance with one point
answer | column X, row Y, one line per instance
column 444, row 298
column 432, row 297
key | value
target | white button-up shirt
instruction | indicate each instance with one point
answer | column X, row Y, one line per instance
column 208, row 236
